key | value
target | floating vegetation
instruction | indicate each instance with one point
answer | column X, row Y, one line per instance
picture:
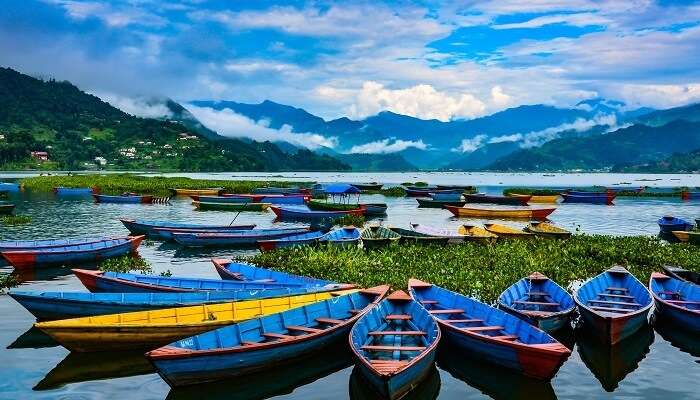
column 8, row 280
column 350, row 220
column 483, row 271
column 156, row 185
column 127, row 263
column 15, row 219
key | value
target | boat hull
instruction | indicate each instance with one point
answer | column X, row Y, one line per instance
column 396, row 386
column 162, row 230
column 230, row 206
column 537, row 213
column 72, row 255
column 687, row 319
column 226, row 239
column 505, row 200
column 310, row 215
column 196, row 192
column 431, row 203
column 613, row 330
column 589, row 199
column 6, row 209
column 100, row 198
column 550, row 323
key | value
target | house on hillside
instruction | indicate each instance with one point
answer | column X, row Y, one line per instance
column 40, row 155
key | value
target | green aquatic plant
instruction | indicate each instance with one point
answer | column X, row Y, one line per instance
column 127, row 263
column 350, row 220
column 15, row 219
column 156, row 185
column 8, row 281
column 483, row 271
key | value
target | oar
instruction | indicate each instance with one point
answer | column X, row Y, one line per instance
column 239, row 213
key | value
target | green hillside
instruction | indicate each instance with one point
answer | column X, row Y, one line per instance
column 79, row 131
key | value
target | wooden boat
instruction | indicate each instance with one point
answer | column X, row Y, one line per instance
column 692, row 237
column 304, row 213
column 6, row 209
column 20, row 245
column 366, row 187
column 411, row 236
column 374, row 208
column 262, row 343
column 154, row 328
column 453, row 236
column 271, row 199
column 196, row 192
column 510, row 213
column 614, row 304
column 610, row 364
column 669, row 223
column 66, row 191
column 375, row 236
column 330, row 206
column 9, row 187
column 507, row 232
column 72, row 254
column 230, row 270
column 593, row 198
column 463, row 188
column 61, row 305
column 427, row 389
column 490, row 334
column 124, row 198
column 347, row 236
column 545, row 199
column 413, row 191
column 539, row 301
column 447, row 196
column 302, row 239
column 119, row 282
column 505, row 200
column 688, row 195
column 676, row 300
column 548, row 230
column 149, row 227
column 475, row 233
column 432, row 203
column 280, row 190
column 231, row 206
column 682, row 274
column 394, row 345
column 234, row 238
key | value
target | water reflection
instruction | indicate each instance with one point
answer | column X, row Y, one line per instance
column 44, row 274
column 428, row 389
column 611, row 364
column 679, row 336
column 278, row 380
column 81, row 367
column 33, row 338
column 494, row 381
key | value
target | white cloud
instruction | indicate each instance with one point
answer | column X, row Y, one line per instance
column 577, row 19
column 470, row 145
column 230, row 124
column 387, row 146
column 112, row 16
column 537, row 138
column 421, row 101
column 499, row 98
column 140, row 107
column 660, row 96
column 506, row 138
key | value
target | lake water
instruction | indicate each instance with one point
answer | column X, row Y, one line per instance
column 649, row 365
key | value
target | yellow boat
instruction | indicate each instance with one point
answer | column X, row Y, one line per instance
column 545, row 229
column 682, row 236
column 477, row 233
column 544, row 199
column 507, row 231
column 513, row 213
column 155, row 328
column 196, row 192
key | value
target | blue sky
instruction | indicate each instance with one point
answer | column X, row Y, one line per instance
column 428, row 59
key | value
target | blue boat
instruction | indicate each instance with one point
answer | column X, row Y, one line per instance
column 394, row 345
column 489, row 334
column 449, row 196
column 9, row 187
column 72, row 254
column 374, row 208
column 252, row 199
column 347, row 236
column 230, row 270
column 687, row 195
column 72, row 192
column 303, row 239
column 61, row 305
column 303, row 213
column 248, row 238
column 668, row 224
column 262, row 343
column 128, row 198
column 539, row 301
column 613, row 304
column 19, row 245
column 676, row 300
column 278, row 190
column 118, row 282
column 163, row 229
column 589, row 198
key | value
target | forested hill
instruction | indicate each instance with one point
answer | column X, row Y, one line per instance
column 79, row 131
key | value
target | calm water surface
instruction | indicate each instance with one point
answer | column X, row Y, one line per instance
column 650, row 365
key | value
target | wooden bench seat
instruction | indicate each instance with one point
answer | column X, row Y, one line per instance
column 683, row 302
column 505, row 337
column 272, row 335
column 461, row 321
column 453, row 311
column 304, row 329
column 537, row 294
column 249, row 343
column 329, row 321
column 536, row 303
column 618, row 303
column 617, row 289
column 482, row 328
column 619, row 296
column 616, row 310
column 393, row 348
column 398, row 317
column 428, row 302
column 397, row 333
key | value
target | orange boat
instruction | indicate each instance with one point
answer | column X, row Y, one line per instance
column 510, row 213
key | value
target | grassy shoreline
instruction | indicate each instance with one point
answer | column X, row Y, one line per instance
column 484, row 271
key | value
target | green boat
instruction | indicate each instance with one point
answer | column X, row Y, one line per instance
column 231, row 206
column 374, row 237
column 410, row 236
